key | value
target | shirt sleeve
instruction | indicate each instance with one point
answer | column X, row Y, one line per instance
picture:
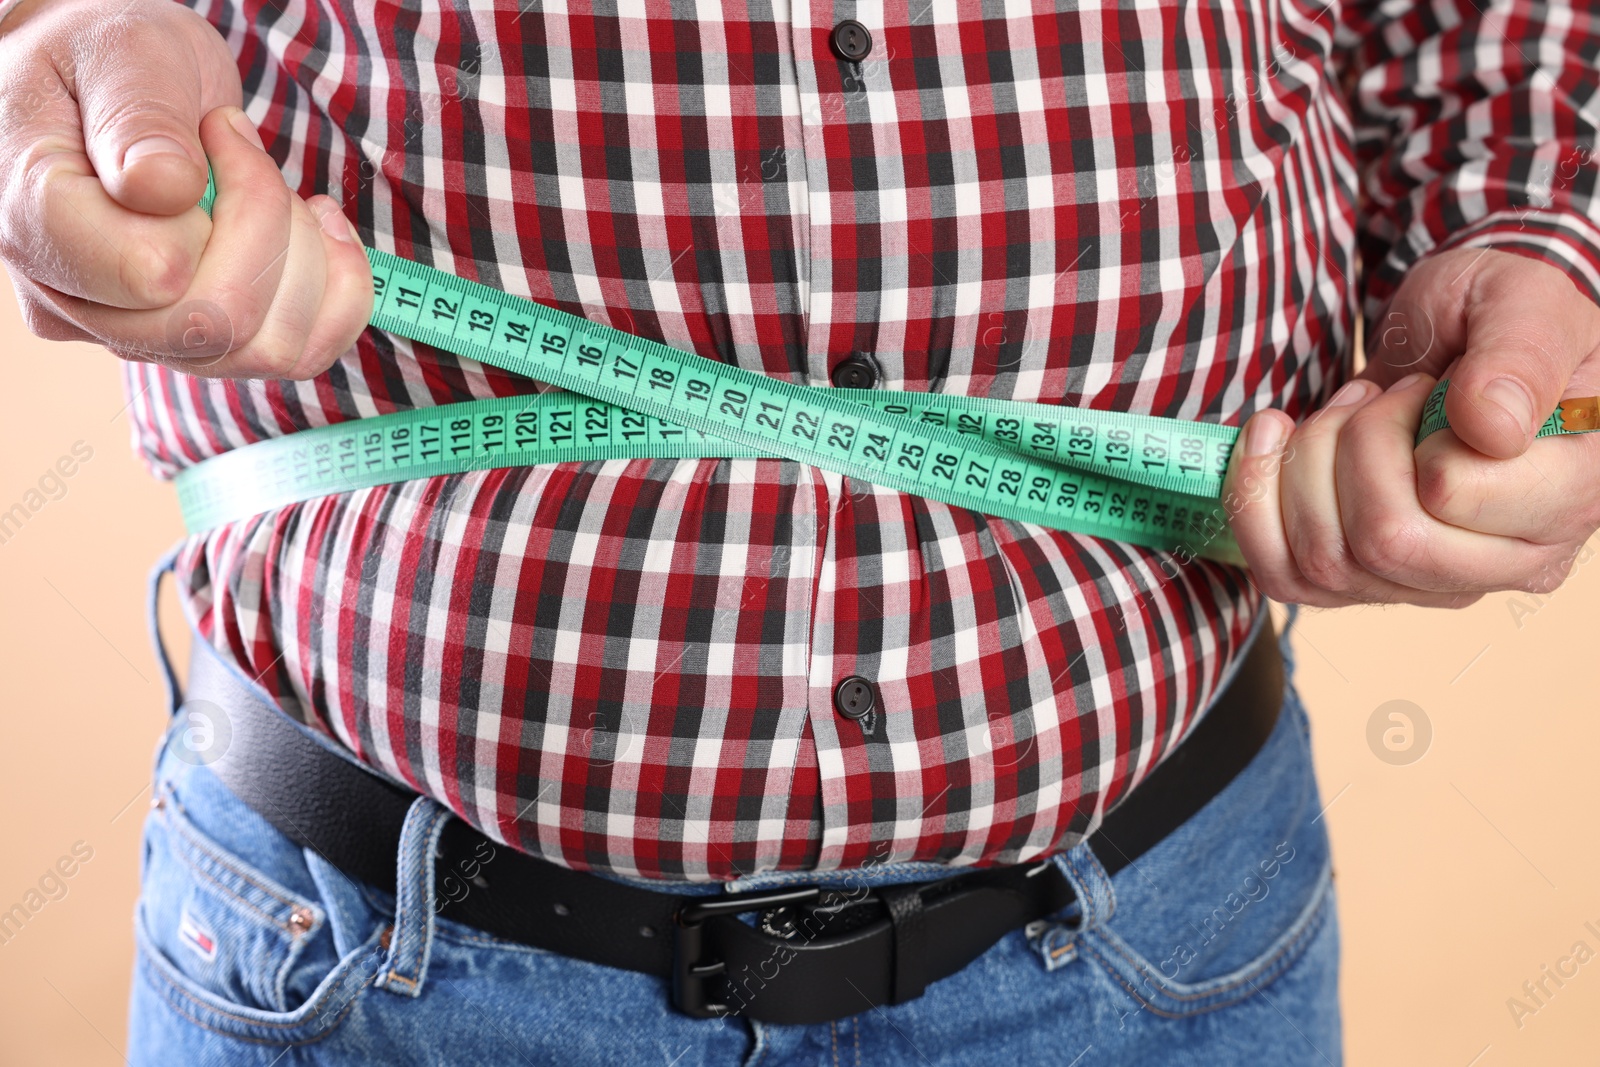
column 1475, row 126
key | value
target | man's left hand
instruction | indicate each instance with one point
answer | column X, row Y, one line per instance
column 1344, row 509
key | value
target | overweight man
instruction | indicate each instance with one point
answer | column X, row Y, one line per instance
column 701, row 760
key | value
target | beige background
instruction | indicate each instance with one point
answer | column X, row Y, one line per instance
column 1460, row 875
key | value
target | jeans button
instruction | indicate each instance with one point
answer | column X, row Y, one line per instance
column 853, row 697
column 860, row 371
column 851, row 41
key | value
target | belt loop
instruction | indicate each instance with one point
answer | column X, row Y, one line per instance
column 411, row 941
column 169, row 677
column 1057, row 942
column 1096, row 896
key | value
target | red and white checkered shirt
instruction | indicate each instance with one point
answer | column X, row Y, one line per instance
column 629, row 665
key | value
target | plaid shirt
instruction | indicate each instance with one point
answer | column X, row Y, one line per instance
column 630, row 665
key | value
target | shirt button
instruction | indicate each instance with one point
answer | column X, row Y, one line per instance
column 851, row 41
column 860, row 371
column 853, row 697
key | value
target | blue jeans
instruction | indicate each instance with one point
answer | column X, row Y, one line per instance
column 1218, row 946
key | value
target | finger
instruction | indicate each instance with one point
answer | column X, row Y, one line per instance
column 1251, row 494
column 1387, row 529
column 40, row 317
column 1547, row 495
column 60, row 226
column 97, row 250
column 276, row 346
column 1528, row 328
column 1310, row 504
column 258, row 314
column 238, row 277
column 1313, row 520
column 347, row 294
column 141, row 96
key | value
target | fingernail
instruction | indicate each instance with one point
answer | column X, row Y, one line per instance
column 241, row 122
column 1512, row 397
column 1352, row 393
column 1405, row 383
column 153, row 146
column 1264, row 436
column 334, row 224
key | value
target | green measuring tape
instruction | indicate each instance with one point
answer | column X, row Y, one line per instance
column 1139, row 478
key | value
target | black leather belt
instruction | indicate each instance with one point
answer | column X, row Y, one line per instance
column 810, row 956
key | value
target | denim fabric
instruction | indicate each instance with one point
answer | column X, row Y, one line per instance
column 1218, row 946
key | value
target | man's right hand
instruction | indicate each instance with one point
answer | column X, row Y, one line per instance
column 108, row 113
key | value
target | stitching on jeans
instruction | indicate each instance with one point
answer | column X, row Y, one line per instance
column 396, row 976
column 1305, row 922
column 430, row 841
column 214, row 851
column 1307, row 917
column 1227, row 1002
column 147, row 952
column 833, row 1030
column 224, row 888
column 430, row 844
column 1091, row 913
column 401, row 925
column 180, row 1010
column 1309, row 929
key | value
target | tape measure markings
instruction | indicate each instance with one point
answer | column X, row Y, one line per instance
column 1147, row 479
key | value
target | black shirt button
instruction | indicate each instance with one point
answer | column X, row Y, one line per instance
column 851, row 41
column 860, row 371
column 853, row 697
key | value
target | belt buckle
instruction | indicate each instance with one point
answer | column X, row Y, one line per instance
column 690, row 971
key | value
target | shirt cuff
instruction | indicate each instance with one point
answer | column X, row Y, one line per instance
column 1566, row 240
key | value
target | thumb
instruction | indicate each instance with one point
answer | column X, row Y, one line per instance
column 140, row 103
column 1528, row 329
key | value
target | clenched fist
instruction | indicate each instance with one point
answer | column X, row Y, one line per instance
column 108, row 114
column 1348, row 509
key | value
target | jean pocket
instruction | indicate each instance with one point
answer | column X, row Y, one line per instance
column 231, row 948
column 1229, row 901
column 1160, row 983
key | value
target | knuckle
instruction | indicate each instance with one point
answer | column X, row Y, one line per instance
column 1585, row 518
column 1441, row 490
column 306, row 366
column 1276, row 586
column 143, row 111
column 308, row 361
column 327, row 355
column 1386, row 544
column 1543, row 581
column 268, row 357
column 42, row 321
column 156, row 273
column 244, row 310
column 1553, row 572
column 36, row 167
column 268, row 198
column 1325, row 560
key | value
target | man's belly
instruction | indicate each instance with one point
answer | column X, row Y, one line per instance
column 701, row 669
